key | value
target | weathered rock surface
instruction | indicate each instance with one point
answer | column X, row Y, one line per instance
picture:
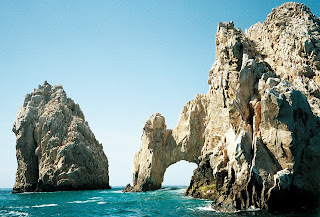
column 258, row 127
column 162, row 148
column 56, row 149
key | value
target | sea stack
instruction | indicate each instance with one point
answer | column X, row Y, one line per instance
column 55, row 148
column 256, row 134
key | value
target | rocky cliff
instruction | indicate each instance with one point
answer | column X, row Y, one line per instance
column 56, row 149
column 258, row 127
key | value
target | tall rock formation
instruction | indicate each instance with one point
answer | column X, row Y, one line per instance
column 258, row 127
column 56, row 149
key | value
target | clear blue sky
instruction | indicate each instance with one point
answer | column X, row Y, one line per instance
column 121, row 61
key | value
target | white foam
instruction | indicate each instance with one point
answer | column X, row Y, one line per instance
column 206, row 208
column 86, row 201
column 101, row 202
column 118, row 192
column 179, row 190
column 209, row 208
column 163, row 189
column 19, row 207
column 50, row 192
column 252, row 208
column 107, row 192
column 45, row 205
column 18, row 213
column 94, row 198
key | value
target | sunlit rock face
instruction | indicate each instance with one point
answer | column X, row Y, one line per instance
column 55, row 147
column 258, row 127
column 162, row 148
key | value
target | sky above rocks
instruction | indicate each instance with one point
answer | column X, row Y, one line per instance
column 121, row 61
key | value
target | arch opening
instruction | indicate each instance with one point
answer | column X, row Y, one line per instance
column 179, row 174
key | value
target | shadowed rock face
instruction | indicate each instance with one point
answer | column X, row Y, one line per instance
column 259, row 128
column 56, row 149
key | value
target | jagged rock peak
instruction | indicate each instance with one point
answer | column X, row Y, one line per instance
column 55, row 147
column 290, row 10
column 289, row 41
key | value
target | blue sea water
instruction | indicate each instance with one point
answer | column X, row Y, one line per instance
column 168, row 201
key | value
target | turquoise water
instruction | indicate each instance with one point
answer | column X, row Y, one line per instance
column 168, row 201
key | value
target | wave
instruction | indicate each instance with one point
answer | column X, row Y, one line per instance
column 206, row 208
column 40, row 192
column 19, row 207
column 101, row 202
column 108, row 192
column 176, row 188
column 117, row 192
column 16, row 213
column 164, row 189
column 209, row 208
column 94, row 198
column 168, row 188
column 180, row 190
column 45, row 205
column 85, row 201
column 252, row 208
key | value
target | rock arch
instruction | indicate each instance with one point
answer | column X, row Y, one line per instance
column 162, row 147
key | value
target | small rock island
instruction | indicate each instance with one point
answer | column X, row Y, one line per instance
column 55, row 148
column 256, row 134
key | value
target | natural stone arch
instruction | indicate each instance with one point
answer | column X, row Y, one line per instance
column 159, row 150
column 162, row 148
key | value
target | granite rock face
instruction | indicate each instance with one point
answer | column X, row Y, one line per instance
column 258, row 127
column 55, row 147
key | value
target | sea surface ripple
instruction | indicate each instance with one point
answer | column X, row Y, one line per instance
column 168, row 201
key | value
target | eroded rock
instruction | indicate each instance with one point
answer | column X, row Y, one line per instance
column 162, row 148
column 56, row 149
column 259, row 127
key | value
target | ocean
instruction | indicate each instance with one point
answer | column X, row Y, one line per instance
column 168, row 201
